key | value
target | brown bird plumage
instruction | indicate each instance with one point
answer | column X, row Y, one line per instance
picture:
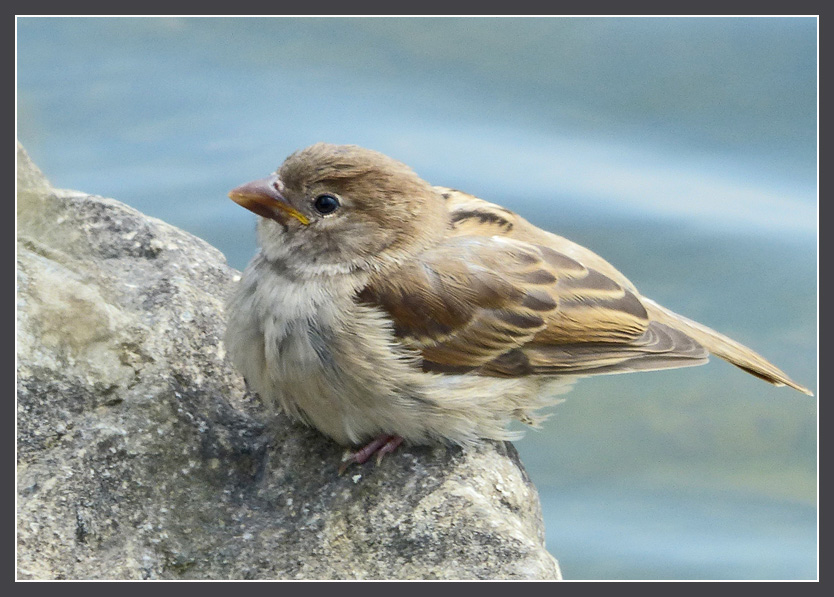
column 382, row 307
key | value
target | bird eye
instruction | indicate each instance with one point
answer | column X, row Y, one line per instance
column 326, row 204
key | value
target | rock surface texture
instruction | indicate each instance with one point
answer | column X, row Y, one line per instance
column 141, row 454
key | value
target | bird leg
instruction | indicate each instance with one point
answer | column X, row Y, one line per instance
column 381, row 445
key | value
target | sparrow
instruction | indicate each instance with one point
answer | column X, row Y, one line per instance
column 381, row 309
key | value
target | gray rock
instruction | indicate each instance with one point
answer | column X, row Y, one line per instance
column 142, row 455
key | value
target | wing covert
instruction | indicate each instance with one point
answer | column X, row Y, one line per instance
column 474, row 299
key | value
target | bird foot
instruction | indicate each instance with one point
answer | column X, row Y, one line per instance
column 382, row 445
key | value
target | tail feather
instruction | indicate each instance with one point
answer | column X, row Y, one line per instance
column 723, row 347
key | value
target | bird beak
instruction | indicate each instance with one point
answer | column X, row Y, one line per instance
column 265, row 199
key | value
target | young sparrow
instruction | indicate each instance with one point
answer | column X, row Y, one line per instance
column 382, row 308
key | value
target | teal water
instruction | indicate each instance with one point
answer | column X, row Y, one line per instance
column 682, row 150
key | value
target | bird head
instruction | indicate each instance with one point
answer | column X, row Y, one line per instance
column 339, row 208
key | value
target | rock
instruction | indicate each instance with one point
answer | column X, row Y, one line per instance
column 142, row 455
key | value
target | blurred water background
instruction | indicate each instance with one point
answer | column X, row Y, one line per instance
column 681, row 149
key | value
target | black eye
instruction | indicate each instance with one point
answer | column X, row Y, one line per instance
column 326, row 204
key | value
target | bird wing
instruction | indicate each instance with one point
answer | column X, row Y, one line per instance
column 598, row 314
column 497, row 305
column 471, row 216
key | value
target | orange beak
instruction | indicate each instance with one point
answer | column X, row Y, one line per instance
column 265, row 199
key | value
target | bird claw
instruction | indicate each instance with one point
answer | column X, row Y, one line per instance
column 382, row 445
column 388, row 447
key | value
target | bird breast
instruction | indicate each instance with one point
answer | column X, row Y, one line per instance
column 326, row 360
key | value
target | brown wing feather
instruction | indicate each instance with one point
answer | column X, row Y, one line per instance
column 466, row 302
column 501, row 297
column 501, row 306
column 473, row 216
